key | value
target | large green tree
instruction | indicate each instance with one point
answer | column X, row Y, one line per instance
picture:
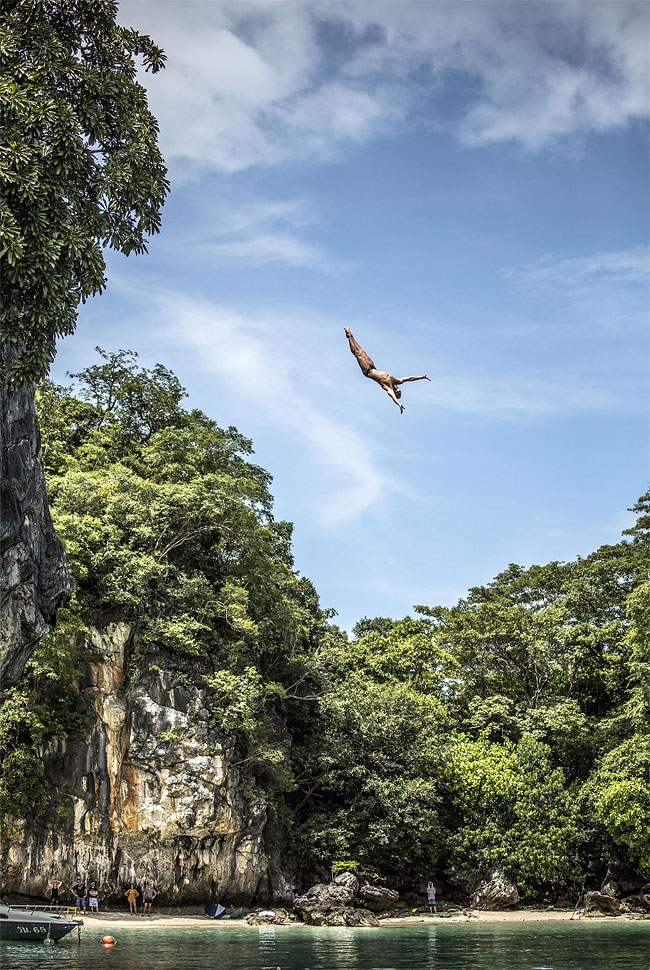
column 168, row 526
column 367, row 757
column 166, row 520
column 80, row 167
column 546, row 650
column 512, row 809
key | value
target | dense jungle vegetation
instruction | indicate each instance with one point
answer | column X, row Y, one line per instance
column 508, row 730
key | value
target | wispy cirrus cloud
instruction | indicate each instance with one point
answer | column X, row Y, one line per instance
column 261, row 249
column 619, row 267
column 266, row 232
column 257, row 232
column 269, row 372
column 609, row 290
column 261, row 84
column 508, row 396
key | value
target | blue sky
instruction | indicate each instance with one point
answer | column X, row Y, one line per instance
column 463, row 184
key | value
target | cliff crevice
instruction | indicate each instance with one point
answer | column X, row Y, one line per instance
column 34, row 581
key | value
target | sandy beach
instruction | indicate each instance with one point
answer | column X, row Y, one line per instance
column 108, row 922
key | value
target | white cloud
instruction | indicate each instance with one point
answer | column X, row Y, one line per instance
column 566, row 69
column 268, row 83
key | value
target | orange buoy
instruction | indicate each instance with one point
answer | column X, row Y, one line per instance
column 108, row 940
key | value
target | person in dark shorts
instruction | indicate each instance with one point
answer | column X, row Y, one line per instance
column 54, row 892
column 148, row 896
column 389, row 383
column 79, row 893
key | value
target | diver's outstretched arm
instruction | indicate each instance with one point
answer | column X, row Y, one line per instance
column 403, row 380
column 393, row 396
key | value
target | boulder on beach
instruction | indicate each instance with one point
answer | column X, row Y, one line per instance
column 639, row 903
column 340, row 916
column 269, row 917
column 499, row 892
column 324, row 896
column 378, row 898
column 348, row 880
column 601, row 904
column 343, row 902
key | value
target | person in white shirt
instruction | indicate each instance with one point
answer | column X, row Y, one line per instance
column 431, row 897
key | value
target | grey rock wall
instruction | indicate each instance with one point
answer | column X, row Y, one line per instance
column 145, row 789
column 33, row 578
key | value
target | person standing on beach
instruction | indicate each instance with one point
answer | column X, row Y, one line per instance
column 79, row 893
column 431, row 897
column 132, row 894
column 54, row 892
column 93, row 898
column 148, row 896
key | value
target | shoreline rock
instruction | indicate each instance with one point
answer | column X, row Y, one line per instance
column 343, row 902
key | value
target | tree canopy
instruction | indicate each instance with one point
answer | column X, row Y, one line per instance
column 80, row 167
column 507, row 731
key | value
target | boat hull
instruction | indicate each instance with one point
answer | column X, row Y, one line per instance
column 17, row 929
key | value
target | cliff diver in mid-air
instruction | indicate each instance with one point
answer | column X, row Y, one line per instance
column 389, row 383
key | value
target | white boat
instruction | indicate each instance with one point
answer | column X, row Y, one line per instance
column 35, row 923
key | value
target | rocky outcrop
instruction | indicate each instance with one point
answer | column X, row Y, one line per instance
column 601, row 904
column 483, row 889
column 339, row 916
column 639, row 903
column 33, row 578
column 344, row 902
column 275, row 917
column 378, row 898
column 498, row 892
column 145, row 789
column 346, row 916
column 324, row 897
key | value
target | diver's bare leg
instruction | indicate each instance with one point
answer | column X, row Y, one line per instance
column 403, row 380
column 364, row 361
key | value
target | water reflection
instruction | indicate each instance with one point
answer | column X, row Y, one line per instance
column 543, row 946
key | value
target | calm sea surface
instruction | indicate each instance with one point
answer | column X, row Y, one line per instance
column 491, row 946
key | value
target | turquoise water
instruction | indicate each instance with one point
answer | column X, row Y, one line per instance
column 490, row 946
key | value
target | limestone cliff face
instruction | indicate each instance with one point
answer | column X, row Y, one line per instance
column 33, row 577
column 145, row 789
